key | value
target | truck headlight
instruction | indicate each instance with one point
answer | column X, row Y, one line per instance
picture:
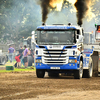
column 38, row 61
column 72, row 61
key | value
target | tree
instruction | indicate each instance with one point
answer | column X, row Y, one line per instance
column 17, row 18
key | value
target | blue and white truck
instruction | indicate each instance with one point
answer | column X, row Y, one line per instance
column 60, row 49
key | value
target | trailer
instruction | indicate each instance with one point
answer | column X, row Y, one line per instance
column 96, row 48
column 61, row 49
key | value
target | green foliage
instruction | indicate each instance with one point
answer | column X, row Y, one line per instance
column 17, row 18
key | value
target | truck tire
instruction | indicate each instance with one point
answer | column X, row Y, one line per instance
column 79, row 73
column 6, row 58
column 87, row 73
column 30, row 60
column 3, row 61
column 50, row 74
column 40, row 73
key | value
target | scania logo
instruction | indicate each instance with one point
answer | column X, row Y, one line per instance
column 50, row 46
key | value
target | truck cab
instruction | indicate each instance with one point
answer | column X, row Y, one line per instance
column 59, row 49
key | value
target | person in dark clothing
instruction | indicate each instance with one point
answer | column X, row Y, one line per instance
column 21, row 50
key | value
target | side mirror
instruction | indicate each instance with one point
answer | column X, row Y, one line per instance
column 33, row 37
column 33, row 33
column 80, row 38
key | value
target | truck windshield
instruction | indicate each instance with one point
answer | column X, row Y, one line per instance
column 56, row 37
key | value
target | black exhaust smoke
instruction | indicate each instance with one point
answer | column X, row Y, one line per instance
column 45, row 9
column 46, row 5
column 81, row 7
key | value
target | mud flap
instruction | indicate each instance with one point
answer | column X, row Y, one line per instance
column 95, row 59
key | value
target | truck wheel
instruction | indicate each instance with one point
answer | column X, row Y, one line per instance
column 40, row 73
column 6, row 58
column 79, row 73
column 87, row 73
column 50, row 74
column 3, row 61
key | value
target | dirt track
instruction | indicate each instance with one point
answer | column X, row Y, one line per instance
column 25, row 85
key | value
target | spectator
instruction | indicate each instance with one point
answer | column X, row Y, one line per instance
column 21, row 52
column 17, row 58
column 25, row 56
column 29, row 51
column 11, row 51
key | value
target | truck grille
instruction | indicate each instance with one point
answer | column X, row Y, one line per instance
column 55, row 57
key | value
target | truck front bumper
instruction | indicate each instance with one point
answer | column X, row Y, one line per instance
column 69, row 66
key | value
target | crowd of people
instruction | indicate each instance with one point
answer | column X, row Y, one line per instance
column 21, row 57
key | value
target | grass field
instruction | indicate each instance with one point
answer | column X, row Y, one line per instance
column 3, row 68
column 17, row 70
